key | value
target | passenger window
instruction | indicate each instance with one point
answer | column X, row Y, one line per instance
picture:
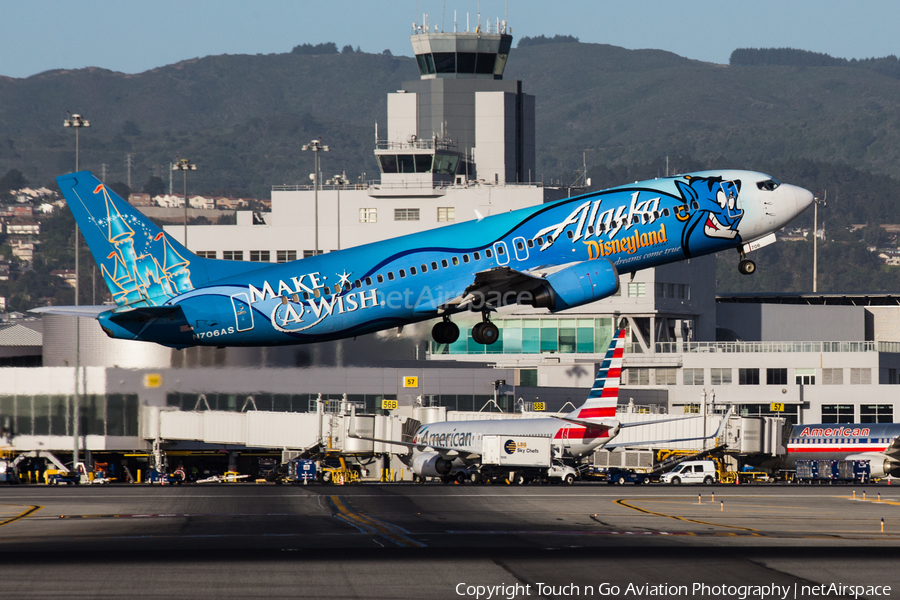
column 337, row 288
column 402, row 273
column 635, row 220
column 590, row 229
column 477, row 256
column 316, row 293
column 357, row 284
column 444, row 263
column 412, row 271
column 655, row 214
column 695, row 205
column 465, row 258
column 390, row 275
column 531, row 243
column 520, row 246
column 665, row 212
column 380, row 279
column 540, row 241
column 601, row 228
column 572, row 235
column 434, row 266
column 368, row 281
column 488, row 253
column 295, row 297
column 500, row 250
column 455, row 261
column 424, row 268
column 306, row 295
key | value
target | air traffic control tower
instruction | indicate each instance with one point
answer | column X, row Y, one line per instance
column 460, row 116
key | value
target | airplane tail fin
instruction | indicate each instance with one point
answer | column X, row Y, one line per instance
column 139, row 262
column 601, row 402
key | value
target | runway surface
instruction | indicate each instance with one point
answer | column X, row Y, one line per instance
column 422, row 541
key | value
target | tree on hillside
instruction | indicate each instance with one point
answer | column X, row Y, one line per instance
column 154, row 186
column 542, row 39
column 13, row 180
column 325, row 48
column 347, row 49
column 121, row 189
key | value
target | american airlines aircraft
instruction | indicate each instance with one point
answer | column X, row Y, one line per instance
column 555, row 256
column 878, row 443
column 437, row 449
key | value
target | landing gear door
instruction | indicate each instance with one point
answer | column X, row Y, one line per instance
column 243, row 314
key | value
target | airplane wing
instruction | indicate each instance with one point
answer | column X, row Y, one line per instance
column 893, row 449
column 73, row 311
column 717, row 434
column 498, row 286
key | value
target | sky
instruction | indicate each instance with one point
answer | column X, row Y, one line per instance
column 133, row 36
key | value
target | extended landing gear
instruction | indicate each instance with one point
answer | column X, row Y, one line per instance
column 746, row 266
column 445, row 332
column 485, row 332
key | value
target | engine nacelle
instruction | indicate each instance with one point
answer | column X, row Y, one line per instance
column 576, row 285
column 880, row 465
column 431, row 464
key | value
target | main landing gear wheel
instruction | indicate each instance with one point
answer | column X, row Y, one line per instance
column 747, row 267
column 485, row 333
column 445, row 332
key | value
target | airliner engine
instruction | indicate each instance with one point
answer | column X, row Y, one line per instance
column 431, row 464
column 880, row 465
column 577, row 284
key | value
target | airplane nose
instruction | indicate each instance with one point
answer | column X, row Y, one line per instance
column 803, row 198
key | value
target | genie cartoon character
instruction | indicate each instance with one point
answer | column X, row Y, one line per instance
column 714, row 214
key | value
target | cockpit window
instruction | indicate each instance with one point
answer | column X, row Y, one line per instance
column 768, row 185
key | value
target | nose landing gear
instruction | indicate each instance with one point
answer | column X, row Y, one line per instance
column 746, row 266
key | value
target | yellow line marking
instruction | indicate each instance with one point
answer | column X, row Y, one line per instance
column 32, row 508
column 368, row 522
column 622, row 502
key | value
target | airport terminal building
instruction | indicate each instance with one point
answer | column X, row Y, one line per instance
column 460, row 143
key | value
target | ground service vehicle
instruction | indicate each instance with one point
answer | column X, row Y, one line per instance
column 691, row 471
column 623, row 476
column 521, row 459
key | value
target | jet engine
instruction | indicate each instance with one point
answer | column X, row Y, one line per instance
column 880, row 465
column 431, row 464
column 576, row 285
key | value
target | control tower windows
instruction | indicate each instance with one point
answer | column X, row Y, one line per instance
column 444, row 62
column 406, row 163
column 446, row 164
column 484, row 63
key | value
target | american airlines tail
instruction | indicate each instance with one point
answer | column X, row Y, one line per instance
column 601, row 402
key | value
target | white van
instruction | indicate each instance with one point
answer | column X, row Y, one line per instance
column 691, row 471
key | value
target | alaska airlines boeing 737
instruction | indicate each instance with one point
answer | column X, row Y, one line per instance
column 555, row 256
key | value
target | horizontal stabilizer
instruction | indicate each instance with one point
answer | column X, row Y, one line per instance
column 90, row 311
column 144, row 313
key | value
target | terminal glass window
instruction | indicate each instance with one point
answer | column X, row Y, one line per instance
column 232, row 255
column 660, row 290
column 832, row 376
column 748, row 376
column 533, row 336
column 876, row 413
column 206, row 253
column 838, row 413
column 693, row 376
column 638, row 376
column 637, row 290
column 776, row 376
column 286, row 255
column 368, row 215
column 805, row 376
column 665, row 376
column 259, row 256
column 406, row 214
column 860, row 376
column 720, row 376
column 446, row 214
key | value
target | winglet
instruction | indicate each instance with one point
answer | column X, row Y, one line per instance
column 478, row 215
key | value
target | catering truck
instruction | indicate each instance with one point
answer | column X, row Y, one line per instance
column 521, row 459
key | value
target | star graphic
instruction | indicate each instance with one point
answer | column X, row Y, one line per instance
column 345, row 279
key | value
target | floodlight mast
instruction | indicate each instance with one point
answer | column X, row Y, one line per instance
column 316, row 147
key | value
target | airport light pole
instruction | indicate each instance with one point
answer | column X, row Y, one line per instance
column 316, row 147
column 76, row 121
column 184, row 165
column 339, row 180
column 816, row 201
